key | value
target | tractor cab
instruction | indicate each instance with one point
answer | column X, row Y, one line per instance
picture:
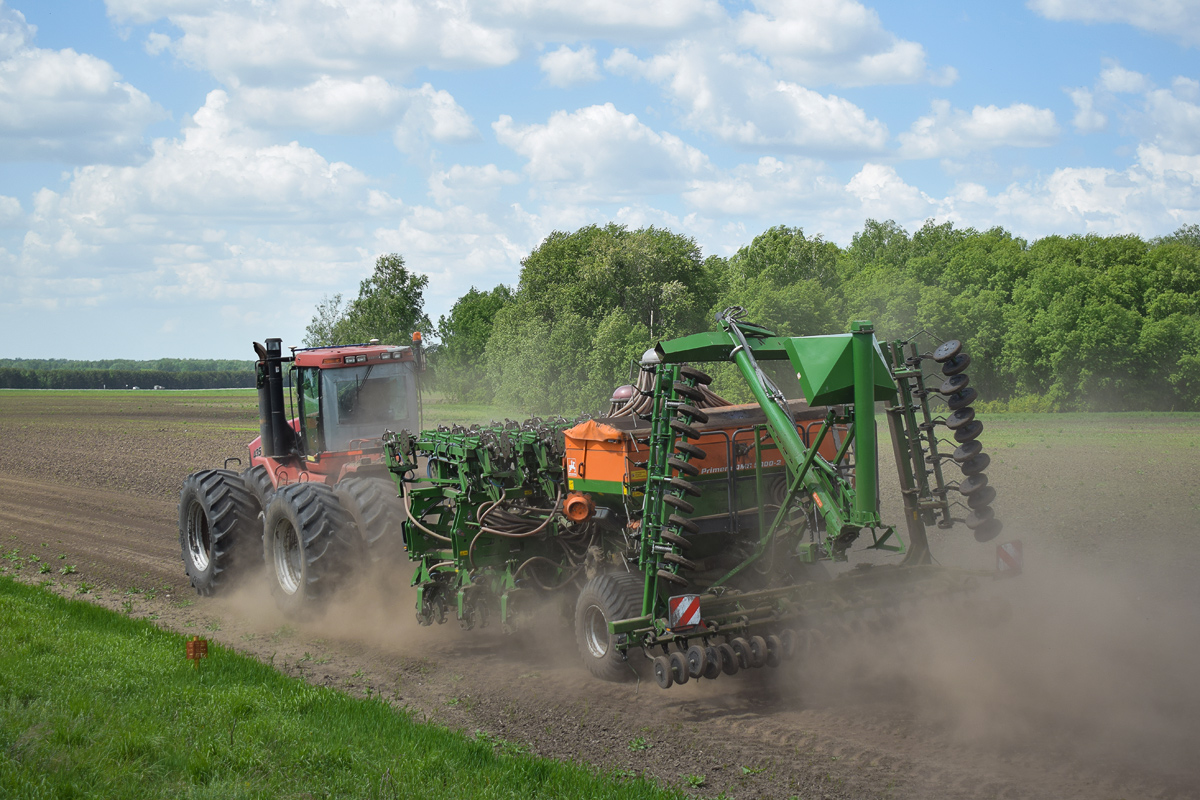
column 341, row 401
column 347, row 396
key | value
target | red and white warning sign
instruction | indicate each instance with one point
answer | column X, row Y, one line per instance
column 1009, row 558
column 685, row 610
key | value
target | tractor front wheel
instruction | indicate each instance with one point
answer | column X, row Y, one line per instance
column 604, row 599
column 218, row 534
column 308, row 544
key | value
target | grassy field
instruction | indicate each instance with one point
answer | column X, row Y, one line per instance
column 96, row 705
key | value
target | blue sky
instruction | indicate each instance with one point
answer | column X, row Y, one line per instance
column 181, row 177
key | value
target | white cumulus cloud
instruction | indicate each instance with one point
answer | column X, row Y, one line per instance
column 600, row 153
column 736, row 97
column 1174, row 19
column 833, row 41
column 566, row 67
column 949, row 132
column 1087, row 119
column 60, row 105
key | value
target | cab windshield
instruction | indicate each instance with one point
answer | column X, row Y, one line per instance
column 360, row 402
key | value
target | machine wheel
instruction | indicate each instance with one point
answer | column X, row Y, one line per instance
column 758, row 651
column 774, row 651
column 679, row 504
column 309, row 543
column 680, row 670
column 258, row 481
column 683, row 523
column 679, row 484
column 377, row 513
column 683, row 429
column 662, row 672
column 741, row 649
column 675, row 539
column 671, row 577
column 693, row 414
column 729, row 659
column 604, row 599
column 712, row 665
column 692, row 450
column 697, row 660
column 218, row 532
column 956, row 365
column 690, row 392
column 684, row 467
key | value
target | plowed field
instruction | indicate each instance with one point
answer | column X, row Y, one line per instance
column 1088, row 691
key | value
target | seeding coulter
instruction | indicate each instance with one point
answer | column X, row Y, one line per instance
column 679, row 530
column 692, row 531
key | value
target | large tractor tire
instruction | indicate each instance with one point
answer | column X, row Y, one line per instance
column 258, row 481
column 309, row 545
column 219, row 534
column 377, row 513
column 604, row 599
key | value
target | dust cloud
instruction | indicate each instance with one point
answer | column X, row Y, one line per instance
column 1087, row 659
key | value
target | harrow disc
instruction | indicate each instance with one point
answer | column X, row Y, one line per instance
column 977, row 518
column 969, row 432
column 947, row 350
column 959, row 418
column 972, row 484
column 953, row 384
column 984, row 497
column 976, row 465
column 957, row 364
column 962, row 399
column 988, row 530
column 967, row 451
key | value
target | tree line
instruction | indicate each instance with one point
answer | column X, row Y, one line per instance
column 1080, row 322
column 63, row 378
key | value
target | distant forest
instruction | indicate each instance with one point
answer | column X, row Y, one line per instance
column 169, row 373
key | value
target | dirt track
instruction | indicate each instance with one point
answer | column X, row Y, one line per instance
column 1087, row 692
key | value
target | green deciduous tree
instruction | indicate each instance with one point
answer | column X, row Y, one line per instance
column 464, row 333
column 390, row 306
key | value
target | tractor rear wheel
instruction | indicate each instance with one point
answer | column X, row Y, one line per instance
column 309, row 543
column 377, row 513
column 604, row 599
column 218, row 534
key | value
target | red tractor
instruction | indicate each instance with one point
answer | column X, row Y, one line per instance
column 317, row 478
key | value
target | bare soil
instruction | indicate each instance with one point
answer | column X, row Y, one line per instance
column 1086, row 691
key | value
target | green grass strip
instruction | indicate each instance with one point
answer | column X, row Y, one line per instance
column 97, row 705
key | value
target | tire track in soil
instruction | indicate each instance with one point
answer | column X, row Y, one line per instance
column 123, row 539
